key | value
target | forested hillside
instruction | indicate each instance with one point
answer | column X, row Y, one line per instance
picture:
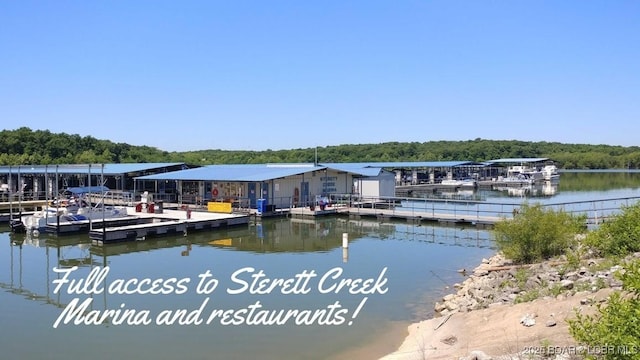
column 32, row 147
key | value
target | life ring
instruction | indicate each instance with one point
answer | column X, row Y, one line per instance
column 214, row 192
column 296, row 195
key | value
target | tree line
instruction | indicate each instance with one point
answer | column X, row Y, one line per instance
column 24, row 146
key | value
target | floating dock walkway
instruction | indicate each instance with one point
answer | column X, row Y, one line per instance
column 15, row 205
column 65, row 227
column 18, row 208
column 418, row 216
column 409, row 215
column 464, row 212
column 165, row 223
column 136, row 225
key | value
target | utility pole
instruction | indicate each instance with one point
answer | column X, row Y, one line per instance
column 316, row 158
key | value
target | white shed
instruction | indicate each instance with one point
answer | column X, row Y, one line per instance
column 381, row 185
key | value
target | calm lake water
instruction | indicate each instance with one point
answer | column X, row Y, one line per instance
column 419, row 264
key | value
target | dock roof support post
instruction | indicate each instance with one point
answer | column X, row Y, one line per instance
column 103, row 205
column 57, row 205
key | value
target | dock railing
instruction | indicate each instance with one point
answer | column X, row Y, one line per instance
column 112, row 197
column 596, row 210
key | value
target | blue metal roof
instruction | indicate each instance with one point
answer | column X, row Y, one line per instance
column 109, row 169
column 371, row 171
column 81, row 190
column 355, row 168
column 405, row 164
column 255, row 172
column 245, row 172
column 516, row 160
column 237, row 172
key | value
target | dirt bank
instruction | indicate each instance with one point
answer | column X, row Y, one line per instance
column 504, row 310
column 497, row 330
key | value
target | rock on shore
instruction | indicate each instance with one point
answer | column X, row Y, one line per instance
column 498, row 282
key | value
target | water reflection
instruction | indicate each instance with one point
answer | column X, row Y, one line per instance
column 420, row 259
column 280, row 235
column 537, row 190
column 599, row 180
column 268, row 236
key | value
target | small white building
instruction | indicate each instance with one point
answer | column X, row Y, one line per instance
column 372, row 181
column 382, row 185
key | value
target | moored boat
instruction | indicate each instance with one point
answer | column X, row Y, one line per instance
column 550, row 172
column 68, row 210
column 464, row 183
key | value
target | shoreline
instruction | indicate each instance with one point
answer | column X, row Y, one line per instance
column 385, row 340
column 502, row 310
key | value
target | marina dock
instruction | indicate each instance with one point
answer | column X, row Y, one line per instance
column 15, row 206
column 6, row 217
column 135, row 225
column 464, row 212
column 419, row 216
column 478, row 213
column 7, row 209
column 64, row 227
column 165, row 223
column 410, row 215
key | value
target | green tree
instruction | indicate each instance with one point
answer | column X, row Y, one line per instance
column 65, row 148
column 619, row 236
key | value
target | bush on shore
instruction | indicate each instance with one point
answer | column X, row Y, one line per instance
column 537, row 234
column 619, row 236
column 616, row 326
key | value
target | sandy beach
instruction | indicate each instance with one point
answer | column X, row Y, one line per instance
column 497, row 331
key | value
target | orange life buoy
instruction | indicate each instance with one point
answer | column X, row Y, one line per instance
column 214, row 192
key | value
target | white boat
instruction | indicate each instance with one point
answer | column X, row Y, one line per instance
column 49, row 215
column 451, row 182
column 550, row 172
column 39, row 219
column 465, row 183
column 469, row 183
column 521, row 179
column 533, row 174
column 97, row 212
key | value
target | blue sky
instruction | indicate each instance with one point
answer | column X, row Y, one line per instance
column 257, row 75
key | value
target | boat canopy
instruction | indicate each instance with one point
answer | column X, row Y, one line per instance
column 84, row 190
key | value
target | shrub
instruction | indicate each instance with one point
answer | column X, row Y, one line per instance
column 536, row 233
column 619, row 236
column 616, row 325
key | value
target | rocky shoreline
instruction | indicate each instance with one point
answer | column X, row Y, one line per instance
column 498, row 282
column 525, row 302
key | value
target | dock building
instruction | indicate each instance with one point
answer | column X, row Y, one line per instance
column 246, row 186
